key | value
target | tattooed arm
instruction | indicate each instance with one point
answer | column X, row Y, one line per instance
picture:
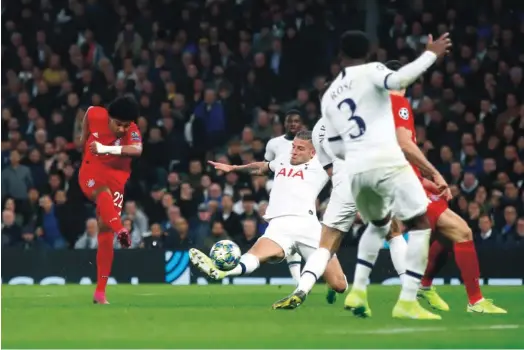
column 256, row 168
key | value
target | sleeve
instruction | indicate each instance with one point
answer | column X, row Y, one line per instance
column 133, row 135
column 273, row 165
column 337, row 130
column 318, row 136
column 384, row 78
column 270, row 153
column 402, row 112
column 94, row 113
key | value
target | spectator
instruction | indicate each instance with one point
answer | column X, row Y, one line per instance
column 136, row 215
column 249, row 235
column 200, row 228
column 136, row 234
column 249, row 210
column 181, row 238
column 153, row 205
column 186, row 202
column 10, row 230
column 10, row 205
column 89, row 240
column 210, row 113
column 16, row 179
column 217, row 234
column 214, row 193
column 507, row 229
column 230, row 220
column 50, row 227
column 487, row 235
column 173, row 214
column 29, row 240
column 153, row 238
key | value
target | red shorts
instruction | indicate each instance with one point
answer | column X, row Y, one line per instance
column 436, row 207
column 92, row 178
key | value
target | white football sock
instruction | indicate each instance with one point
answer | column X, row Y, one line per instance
column 314, row 268
column 248, row 263
column 294, row 264
column 416, row 261
column 397, row 249
column 368, row 248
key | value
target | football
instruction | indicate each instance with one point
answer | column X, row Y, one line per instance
column 225, row 254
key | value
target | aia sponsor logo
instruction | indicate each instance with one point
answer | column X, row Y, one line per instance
column 293, row 173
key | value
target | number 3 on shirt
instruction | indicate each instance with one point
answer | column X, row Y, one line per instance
column 360, row 122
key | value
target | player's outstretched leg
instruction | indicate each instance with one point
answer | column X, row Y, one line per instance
column 368, row 248
column 263, row 250
column 454, row 228
column 407, row 306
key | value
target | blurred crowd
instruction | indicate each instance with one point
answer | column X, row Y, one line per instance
column 214, row 79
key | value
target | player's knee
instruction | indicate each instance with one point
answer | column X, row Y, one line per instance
column 463, row 233
column 330, row 238
column 102, row 227
column 340, row 285
column 396, row 229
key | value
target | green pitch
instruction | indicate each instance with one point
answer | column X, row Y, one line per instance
column 163, row 316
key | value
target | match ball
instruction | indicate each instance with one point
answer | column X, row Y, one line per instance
column 225, row 255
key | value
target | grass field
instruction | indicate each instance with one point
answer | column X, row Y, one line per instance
column 163, row 316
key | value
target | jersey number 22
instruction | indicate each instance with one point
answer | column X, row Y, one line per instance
column 355, row 118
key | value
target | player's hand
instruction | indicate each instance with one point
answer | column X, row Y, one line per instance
column 221, row 166
column 442, row 185
column 95, row 148
column 441, row 46
column 447, row 195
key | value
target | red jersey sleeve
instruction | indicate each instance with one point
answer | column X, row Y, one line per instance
column 96, row 114
column 133, row 136
column 402, row 113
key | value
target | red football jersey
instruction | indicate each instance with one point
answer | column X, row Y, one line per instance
column 98, row 121
column 404, row 119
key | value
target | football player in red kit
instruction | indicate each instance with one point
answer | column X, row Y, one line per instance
column 111, row 139
column 442, row 219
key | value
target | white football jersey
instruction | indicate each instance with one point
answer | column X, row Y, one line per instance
column 325, row 155
column 278, row 146
column 358, row 108
column 295, row 187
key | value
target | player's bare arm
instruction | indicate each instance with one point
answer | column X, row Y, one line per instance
column 85, row 129
column 256, row 168
column 415, row 156
column 406, row 75
column 133, row 150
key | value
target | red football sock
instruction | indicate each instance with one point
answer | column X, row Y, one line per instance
column 437, row 258
column 107, row 212
column 104, row 259
column 468, row 264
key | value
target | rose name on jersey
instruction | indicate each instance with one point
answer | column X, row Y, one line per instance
column 293, row 173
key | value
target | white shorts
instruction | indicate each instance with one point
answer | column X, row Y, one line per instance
column 395, row 190
column 341, row 209
column 295, row 234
